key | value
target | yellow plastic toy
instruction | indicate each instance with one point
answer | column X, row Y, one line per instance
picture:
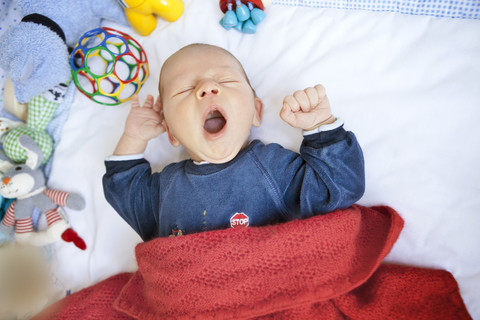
column 141, row 13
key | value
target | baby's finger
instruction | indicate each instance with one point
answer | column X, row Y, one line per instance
column 148, row 102
column 312, row 96
column 287, row 115
column 321, row 91
column 158, row 105
column 291, row 103
column 302, row 99
column 135, row 102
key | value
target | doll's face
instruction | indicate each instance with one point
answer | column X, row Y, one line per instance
column 208, row 103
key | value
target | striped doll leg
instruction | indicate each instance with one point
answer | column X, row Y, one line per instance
column 24, row 226
column 53, row 216
column 24, row 232
column 7, row 226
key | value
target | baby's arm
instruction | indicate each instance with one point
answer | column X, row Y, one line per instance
column 307, row 109
column 329, row 174
column 143, row 123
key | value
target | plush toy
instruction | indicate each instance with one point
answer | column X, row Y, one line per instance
column 6, row 125
column 40, row 112
column 26, row 183
column 11, row 104
column 4, row 203
column 34, row 52
column 37, row 115
column 141, row 13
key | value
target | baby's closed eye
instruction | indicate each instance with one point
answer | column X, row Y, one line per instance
column 183, row 90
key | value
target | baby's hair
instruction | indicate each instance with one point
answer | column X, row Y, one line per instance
column 204, row 45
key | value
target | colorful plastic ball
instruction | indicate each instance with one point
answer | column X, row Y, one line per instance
column 108, row 66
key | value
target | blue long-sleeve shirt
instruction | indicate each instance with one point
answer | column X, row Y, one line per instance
column 264, row 184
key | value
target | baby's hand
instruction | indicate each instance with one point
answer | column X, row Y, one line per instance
column 307, row 109
column 144, row 122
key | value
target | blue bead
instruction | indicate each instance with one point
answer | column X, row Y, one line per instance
column 223, row 24
column 257, row 15
column 242, row 11
column 239, row 26
column 249, row 27
column 230, row 19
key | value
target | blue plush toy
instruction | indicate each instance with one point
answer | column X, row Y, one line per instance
column 34, row 52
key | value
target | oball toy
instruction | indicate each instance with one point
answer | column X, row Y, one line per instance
column 108, row 66
column 34, row 53
column 141, row 13
column 243, row 15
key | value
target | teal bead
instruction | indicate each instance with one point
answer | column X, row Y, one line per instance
column 239, row 26
column 249, row 27
column 242, row 11
column 230, row 19
column 223, row 24
column 257, row 15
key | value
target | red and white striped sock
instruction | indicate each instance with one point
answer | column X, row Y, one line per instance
column 59, row 197
column 52, row 216
column 9, row 218
column 24, row 225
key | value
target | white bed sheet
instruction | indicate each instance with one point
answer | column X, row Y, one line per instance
column 407, row 86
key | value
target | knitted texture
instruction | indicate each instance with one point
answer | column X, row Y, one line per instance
column 92, row 303
column 257, row 271
column 405, row 293
column 324, row 267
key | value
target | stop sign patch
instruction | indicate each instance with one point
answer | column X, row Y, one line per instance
column 239, row 220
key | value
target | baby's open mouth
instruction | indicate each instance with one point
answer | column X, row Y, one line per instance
column 214, row 122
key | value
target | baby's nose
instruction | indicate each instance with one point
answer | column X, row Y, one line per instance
column 207, row 89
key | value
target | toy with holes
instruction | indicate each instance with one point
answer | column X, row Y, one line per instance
column 108, row 66
column 243, row 15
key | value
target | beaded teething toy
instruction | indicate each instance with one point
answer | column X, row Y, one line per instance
column 243, row 15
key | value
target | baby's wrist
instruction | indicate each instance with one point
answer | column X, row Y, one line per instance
column 325, row 127
column 329, row 120
column 130, row 145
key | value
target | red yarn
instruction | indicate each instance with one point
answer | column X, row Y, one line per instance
column 325, row 267
column 256, row 3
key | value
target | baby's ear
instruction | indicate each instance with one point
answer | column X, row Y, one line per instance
column 257, row 117
column 171, row 137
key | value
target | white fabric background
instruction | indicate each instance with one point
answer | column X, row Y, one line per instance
column 407, row 86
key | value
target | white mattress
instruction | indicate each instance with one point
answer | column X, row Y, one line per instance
column 407, row 86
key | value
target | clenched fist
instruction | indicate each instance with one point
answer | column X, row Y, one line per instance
column 307, row 109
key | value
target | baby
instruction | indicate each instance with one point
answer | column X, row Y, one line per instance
column 207, row 105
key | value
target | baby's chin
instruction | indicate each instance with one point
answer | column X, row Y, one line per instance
column 219, row 156
column 219, row 159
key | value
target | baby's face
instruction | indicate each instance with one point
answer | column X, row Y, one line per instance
column 208, row 104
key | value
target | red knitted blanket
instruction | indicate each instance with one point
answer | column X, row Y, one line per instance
column 325, row 267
